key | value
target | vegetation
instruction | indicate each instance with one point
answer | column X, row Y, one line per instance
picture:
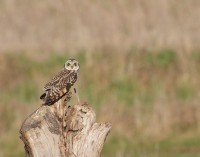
column 151, row 98
column 140, row 69
column 95, row 25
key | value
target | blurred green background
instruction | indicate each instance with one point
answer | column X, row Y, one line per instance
column 140, row 64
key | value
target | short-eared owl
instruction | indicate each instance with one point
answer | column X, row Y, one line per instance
column 61, row 83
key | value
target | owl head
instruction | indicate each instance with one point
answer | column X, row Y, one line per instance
column 72, row 64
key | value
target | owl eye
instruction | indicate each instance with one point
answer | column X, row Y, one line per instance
column 68, row 64
column 75, row 64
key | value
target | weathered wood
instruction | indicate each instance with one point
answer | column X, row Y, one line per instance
column 61, row 131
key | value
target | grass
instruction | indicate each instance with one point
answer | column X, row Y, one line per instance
column 140, row 93
column 125, row 90
column 176, row 145
column 185, row 91
column 162, row 59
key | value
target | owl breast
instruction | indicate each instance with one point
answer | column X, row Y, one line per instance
column 68, row 81
column 73, row 77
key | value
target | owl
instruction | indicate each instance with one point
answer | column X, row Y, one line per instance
column 61, row 83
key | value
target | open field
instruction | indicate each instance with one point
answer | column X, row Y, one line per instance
column 151, row 98
column 140, row 69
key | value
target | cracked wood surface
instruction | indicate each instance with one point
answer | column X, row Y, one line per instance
column 61, row 131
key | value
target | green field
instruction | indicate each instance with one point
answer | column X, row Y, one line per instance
column 150, row 98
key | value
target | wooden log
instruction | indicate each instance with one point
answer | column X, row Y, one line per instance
column 61, row 131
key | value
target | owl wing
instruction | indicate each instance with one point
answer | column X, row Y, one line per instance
column 58, row 86
column 55, row 82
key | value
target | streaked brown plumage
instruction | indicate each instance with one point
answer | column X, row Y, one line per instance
column 61, row 83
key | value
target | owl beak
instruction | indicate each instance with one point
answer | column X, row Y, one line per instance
column 72, row 67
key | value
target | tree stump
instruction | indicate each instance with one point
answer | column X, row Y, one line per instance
column 61, row 131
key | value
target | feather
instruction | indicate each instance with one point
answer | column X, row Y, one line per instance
column 59, row 86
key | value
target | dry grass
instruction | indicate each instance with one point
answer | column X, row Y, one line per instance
column 95, row 25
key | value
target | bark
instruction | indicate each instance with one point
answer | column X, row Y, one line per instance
column 61, row 131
